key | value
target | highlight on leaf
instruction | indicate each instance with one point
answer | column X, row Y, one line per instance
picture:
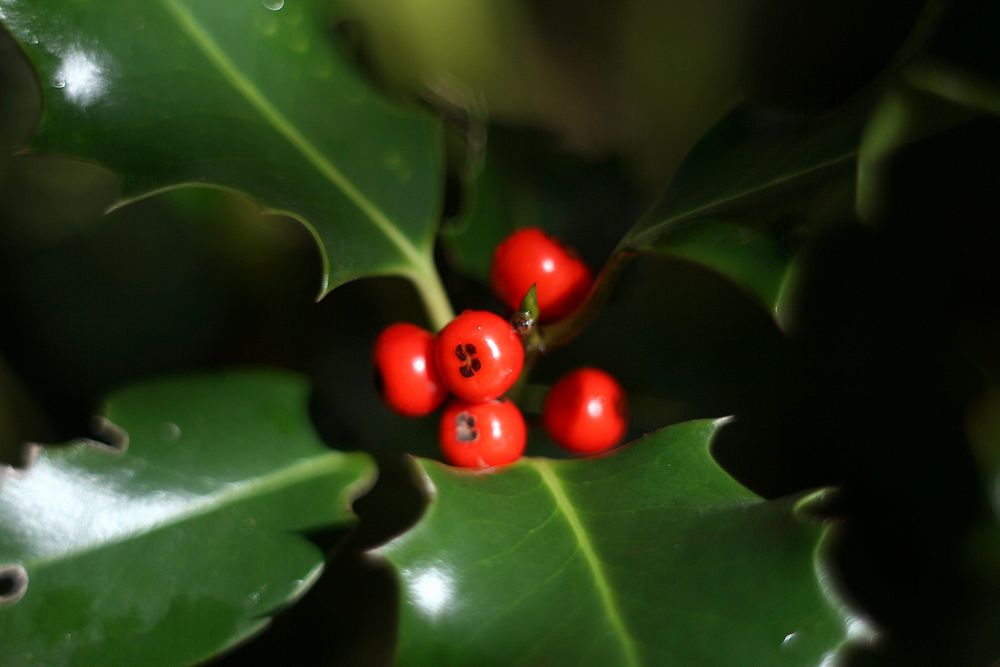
column 648, row 551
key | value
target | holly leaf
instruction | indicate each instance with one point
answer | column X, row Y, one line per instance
column 751, row 259
column 779, row 179
column 488, row 217
column 905, row 115
column 649, row 556
column 958, row 86
column 249, row 96
column 961, row 61
column 20, row 416
column 181, row 537
column 746, row 162
column 750, row 194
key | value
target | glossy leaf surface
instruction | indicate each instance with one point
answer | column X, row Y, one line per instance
column 749, row 258
column 246, row 95
column 649, row 556
column 749, row 160
column 184, row 542
column 774, row 178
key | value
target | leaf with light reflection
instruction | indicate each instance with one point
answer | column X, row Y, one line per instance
column 649, row 556
column 183, row 542
column 244, row 95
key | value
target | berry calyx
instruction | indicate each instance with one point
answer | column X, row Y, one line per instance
column 480, row 435
column 405, row 373
column 586, row 411
column 479, row 355
column 531, row 257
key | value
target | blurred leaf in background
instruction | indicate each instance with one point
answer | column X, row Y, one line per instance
column 642, row 78
column 526, row 180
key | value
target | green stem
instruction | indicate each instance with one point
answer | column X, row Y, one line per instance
column 432, row 293
column 539, row 341
column 530, row 357
column 526, row 324
column 561, row 333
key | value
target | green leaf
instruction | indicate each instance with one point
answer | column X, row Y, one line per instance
column 245, row 95
column 904, row 116
column 777, row 178
column 20, row 416
column 182, row 542
column 524, row 181
column 747, row 161
column 961, row 61
column 493, row 208
column 752, row 260
column 749, row 181
column 956, row 85
column 649, row 556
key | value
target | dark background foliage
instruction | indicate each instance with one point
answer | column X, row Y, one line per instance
column 885, row 387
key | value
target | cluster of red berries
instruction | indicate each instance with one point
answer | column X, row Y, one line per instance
column 478, row 356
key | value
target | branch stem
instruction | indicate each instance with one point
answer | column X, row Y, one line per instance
column 431, row 290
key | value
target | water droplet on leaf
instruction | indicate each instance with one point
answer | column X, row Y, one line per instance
column 171, row 432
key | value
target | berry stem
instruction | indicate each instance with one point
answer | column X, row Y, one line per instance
column 562, row 332
column 530, row 357
column 525, row 322
column 428, row 283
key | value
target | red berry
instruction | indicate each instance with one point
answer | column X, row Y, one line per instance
column 530, row 257
column 405, row 373
column 479, row 435
column 479, row 355
column 586, row 411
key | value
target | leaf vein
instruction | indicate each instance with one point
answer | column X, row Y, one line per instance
column 229, row 70
column 230, row 493
column 592, row 560
column 743, row 193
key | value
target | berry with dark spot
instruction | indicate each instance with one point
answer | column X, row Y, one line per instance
column 406, row 376
column 479, row 355
column 465, row 428
column 470, row 362
column 480, row 435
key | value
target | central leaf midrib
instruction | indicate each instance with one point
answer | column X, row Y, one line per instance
column 604, row 590
column 283, row 126
column 231, row 493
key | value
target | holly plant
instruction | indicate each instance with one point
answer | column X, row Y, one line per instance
column 428, row 332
